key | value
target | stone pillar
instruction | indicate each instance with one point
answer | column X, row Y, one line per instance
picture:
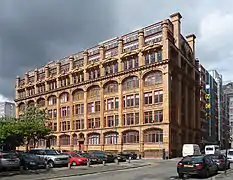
column 17, row 85
column 166, row 95
column 120, row 104
column 26, row 78
column 101, row 107
column 179, row 104
column 141, row 100
column 71, row 60
column 58, row 64
column 71, row 142
column 85, row 110
column 46, row 69
column 165, row 48
column 58, row 115
column 35, row 80
column 175, row 18
column 120, row 51
column 102, row 57
column 71, row 112
column 17, row 111
column 191, row 41
column 141, row 42
column 58, row 142
column 85, row 57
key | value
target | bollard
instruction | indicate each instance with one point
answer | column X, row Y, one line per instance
column 21, row 169
column 129, row 159
column 116, row 161
column 88, row 163
column 104, row 163
column 69, row 166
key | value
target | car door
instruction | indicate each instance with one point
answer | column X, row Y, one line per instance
column 212, row 165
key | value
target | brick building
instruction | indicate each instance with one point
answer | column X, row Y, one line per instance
column 138, row 92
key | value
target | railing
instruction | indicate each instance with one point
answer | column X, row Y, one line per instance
column 153, row 39
column 153, row 29
column 78, row 63
column 65, row 67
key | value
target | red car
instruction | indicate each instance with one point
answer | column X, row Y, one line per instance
column 76, row 159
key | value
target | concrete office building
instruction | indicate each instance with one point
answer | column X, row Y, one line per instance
column 222, row 105
column 209, row 107
column 7, row 109
column 137, row 92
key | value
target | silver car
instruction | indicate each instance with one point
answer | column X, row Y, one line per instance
column 230, row 155
column 51, row 156
column 9, row 160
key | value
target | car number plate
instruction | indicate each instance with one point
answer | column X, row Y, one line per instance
column 93, row 159
column 188, row 165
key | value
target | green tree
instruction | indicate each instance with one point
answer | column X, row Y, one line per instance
column 32, row 125
column 10, row 133
column 29, row 127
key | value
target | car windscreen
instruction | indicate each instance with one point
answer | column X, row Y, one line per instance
column 193, row 159
column 51, row 152
column 75, row 155
column 209, row 149
column 230, row 153
column 216, row 157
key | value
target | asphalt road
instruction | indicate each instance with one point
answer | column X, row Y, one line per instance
column 158, row 169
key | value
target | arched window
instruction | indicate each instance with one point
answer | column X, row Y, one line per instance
column 153, row 78
column 41, row 143
column 65, row 140
column 153, row 136
column 41, row 102
column 131, row 137
column 78, row 95
column 111, row 87
column 131, row 83
column 64, row 97
column 52, row 100
column 93, row 139
column 53, row 141
column 93, row 92
column 31, row 103
column 75, row 139
column 111, row 138
column 21, row 106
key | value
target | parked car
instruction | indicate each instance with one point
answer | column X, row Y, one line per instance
column 200, row 165
column 9, row 160
column 91, row 159
column 230, row 155
column 133, row 155
column 76, row 159
column 52, row 157
column 221, row 161
column 121, row 158
column 103, row 156
column 31, row 161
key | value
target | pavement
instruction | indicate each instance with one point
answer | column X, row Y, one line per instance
column 146, row 169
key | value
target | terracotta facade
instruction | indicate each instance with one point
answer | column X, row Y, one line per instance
column 139, row 92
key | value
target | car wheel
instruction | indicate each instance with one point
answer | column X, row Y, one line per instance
column 207, row 173
column 181, row 175
column 50, row 164
column 74, row 163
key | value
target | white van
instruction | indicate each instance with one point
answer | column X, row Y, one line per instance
column 191, row 149
column 212, row 149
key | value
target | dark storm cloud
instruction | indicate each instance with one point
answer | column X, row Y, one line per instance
column 35, row 32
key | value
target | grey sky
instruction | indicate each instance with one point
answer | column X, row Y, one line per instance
column 35, row 32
